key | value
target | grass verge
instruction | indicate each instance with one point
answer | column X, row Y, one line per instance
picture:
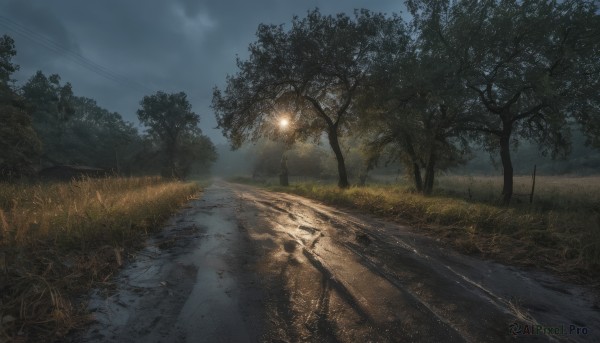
column 58, row 240
column 559, row 232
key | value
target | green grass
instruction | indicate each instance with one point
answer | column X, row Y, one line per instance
column 58, row 240
column 560, row 231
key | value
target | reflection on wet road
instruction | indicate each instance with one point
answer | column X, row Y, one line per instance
column 246, row 265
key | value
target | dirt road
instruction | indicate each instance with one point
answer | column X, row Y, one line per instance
column 246, row 265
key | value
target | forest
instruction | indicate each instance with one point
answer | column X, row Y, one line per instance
column 44, row 124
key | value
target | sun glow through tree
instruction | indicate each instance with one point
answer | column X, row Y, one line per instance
column 283, row 123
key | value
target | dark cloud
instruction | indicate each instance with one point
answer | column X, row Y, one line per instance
column 150, row 45
column 192, row 8
column 40, row 21
column 48, row 33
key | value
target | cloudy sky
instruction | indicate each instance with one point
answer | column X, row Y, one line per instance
column 117, row 51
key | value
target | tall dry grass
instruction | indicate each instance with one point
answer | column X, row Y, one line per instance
column 59, row 239
column 551, row 192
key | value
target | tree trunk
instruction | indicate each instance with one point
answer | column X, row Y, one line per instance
column 369, row 165
column 415, row 163
column 171, row 159
column 430, row 172
column 417, row 175
column 362, row 178
column 335, row 146
column 507, row 189
column 283, row 173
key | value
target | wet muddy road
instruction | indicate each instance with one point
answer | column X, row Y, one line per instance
column 245, row 265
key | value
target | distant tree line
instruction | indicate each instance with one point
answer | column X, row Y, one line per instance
column 460, row 74
column 44, row 124
column 304, row 160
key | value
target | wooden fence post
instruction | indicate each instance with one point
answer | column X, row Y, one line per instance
column 532, row 185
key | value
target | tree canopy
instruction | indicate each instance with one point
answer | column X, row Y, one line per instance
column 7, row 52
column 171, row 121
column 310, row 74
column 98, row 137
column 529, row 67
column 412, row 110
column 49, row 103
column 19, row 143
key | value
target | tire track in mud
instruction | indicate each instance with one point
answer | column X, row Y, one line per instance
column 339, row 285
column 347, row 295
column 356, row 301
column 381, row 270
column 436, row 287
column 503, row 305
column 375, row 266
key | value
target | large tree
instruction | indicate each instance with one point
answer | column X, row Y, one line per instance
column 49, row 101
column 7, row 52
column 172, row 123
column 412, row 110
column 310, row 73
column 529, row 67
column 19, row 144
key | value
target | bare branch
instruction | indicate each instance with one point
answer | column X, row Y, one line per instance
column 492, row 108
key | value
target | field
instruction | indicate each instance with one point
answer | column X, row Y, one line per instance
column 559, row 231
column 58, row 240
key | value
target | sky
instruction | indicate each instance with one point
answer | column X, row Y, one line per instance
column 117, row 51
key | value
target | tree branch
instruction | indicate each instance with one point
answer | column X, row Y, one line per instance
column 319, row 110
column 511, row 102
column 342, row 110
column 529, row 112
column 492, row 108
column 482, row 129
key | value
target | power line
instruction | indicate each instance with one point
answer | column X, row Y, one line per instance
column 72, row 55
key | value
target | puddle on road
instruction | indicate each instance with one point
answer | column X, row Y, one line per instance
column 184, row 292
column 212, row 310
